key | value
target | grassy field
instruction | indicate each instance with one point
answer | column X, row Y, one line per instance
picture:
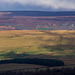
column 38, row 44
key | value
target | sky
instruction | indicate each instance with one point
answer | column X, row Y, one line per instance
column 37, row 5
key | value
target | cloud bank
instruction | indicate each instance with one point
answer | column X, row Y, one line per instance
column 37, row 4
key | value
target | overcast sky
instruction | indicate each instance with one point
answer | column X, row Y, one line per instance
column 39, row 5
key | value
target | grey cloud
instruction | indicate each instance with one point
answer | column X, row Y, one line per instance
column 37, row 4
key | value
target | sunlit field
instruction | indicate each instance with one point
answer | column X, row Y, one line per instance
column 38, row 44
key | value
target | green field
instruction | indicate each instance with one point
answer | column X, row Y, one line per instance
column 38, row 44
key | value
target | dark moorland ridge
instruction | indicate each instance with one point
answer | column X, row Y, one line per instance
column 37, row 20
column 48, row 71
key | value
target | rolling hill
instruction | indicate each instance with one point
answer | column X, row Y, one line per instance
column 38, row 44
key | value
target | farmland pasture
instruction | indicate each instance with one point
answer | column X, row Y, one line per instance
column 38, row 44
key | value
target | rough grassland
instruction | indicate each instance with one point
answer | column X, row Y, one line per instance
column 38, row 44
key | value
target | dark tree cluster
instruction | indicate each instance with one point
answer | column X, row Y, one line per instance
column 45, row 62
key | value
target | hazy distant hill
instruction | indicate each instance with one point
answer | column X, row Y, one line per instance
column 42, row 13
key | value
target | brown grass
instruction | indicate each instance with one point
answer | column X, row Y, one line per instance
column 35, row 42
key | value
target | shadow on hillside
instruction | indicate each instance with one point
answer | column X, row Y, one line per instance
column 58, row 47
column 13, row 55
column 36, row 61
column 49, row 48
column 63, row 38
column 49, row 33
column 69, row 40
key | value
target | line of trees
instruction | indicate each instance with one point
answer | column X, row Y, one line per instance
column 45, row 62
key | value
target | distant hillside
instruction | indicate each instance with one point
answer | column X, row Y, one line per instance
column 37, row 20
column 42, row 13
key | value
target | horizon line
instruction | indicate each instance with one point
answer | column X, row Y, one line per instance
column 36, row 11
